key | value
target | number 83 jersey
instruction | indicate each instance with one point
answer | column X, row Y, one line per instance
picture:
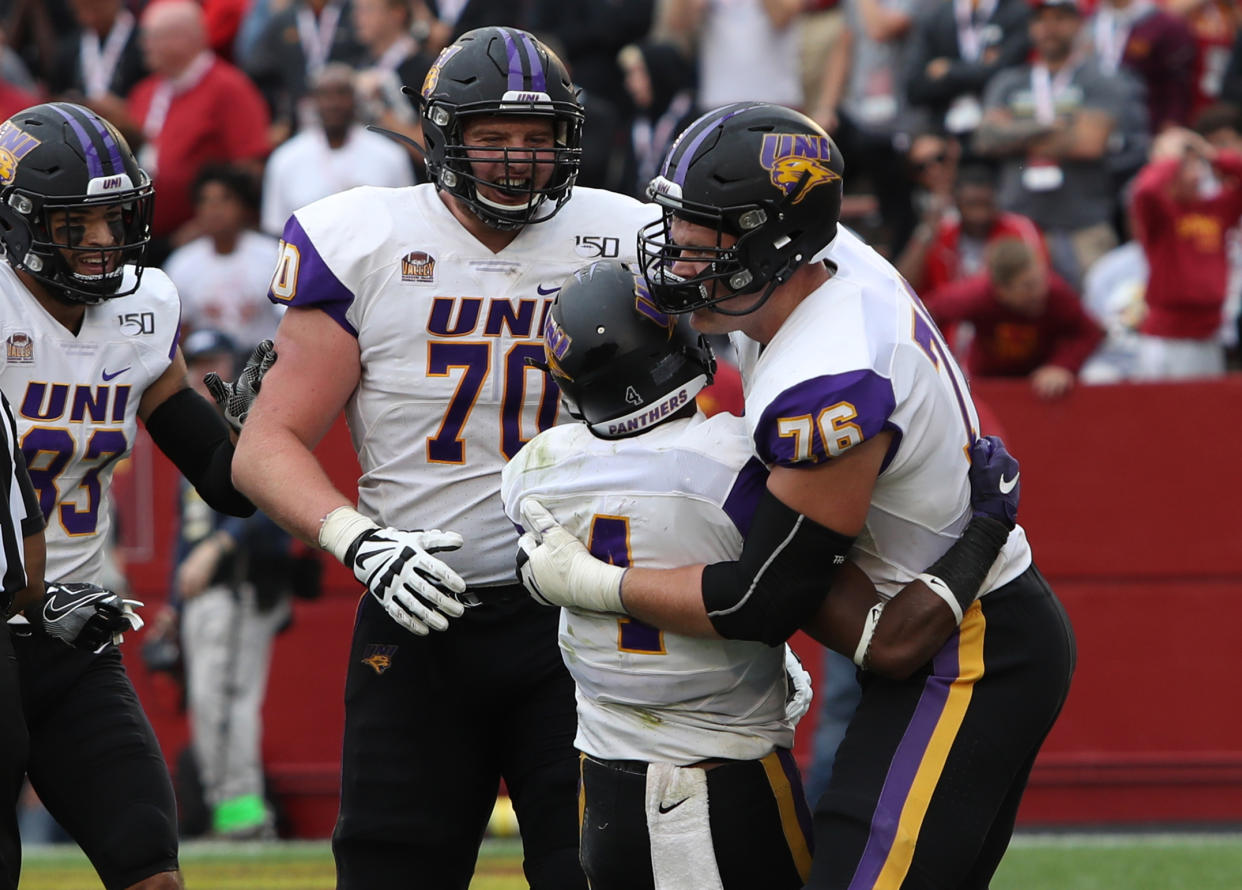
column 445, row 328
column 75, row 399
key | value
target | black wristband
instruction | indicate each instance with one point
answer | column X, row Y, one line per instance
column 966, row 564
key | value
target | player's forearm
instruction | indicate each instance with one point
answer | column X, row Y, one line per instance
column 284, row 479
column 670, row 599
column 35, row 563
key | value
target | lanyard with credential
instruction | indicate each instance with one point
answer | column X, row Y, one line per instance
column 970, row 25
column 99, row 63
column 317, row 36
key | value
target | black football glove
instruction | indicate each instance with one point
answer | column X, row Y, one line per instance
column 85, row 616
column 235, row 399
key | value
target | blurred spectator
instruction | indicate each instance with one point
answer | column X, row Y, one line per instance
column 820, row 27
column 862, row 105
column 1183, row 203
column 1214, row 25
column 332, row 156
column 660, row 82
column 1156, row 47
column 32, row 27
column 931, row 165
column 223, row 21
column 1113, row 295
column 954, row 247
column 746, row 49
column 1027, row 321
column 955, row 49
column 232, row 602
column 13, row 69
column 223, row 274
column 1221, row 126
column 100, row 61
column 296, row 42
column 1051, row 122
column 14, row 99
column 588, row 37
column 194, row 109
column 393, row 59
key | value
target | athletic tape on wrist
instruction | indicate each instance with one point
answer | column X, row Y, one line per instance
column 943, row 591
column 338, row 530
column 863, row 649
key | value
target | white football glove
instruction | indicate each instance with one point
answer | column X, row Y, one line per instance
column 397, row 568
column 797, row 704
column 235, row 399
column 557, row 570
column 86, row 616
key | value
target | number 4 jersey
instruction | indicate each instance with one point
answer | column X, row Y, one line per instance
column 444, row 327
column 858, row 357
column 75, row 399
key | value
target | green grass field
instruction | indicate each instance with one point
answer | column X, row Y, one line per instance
column 1034, row 862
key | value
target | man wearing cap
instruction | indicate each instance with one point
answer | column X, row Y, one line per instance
column 1051, row 121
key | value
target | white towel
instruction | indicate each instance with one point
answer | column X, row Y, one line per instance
column 682, row 854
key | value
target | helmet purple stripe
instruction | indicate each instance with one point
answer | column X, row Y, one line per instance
column 516, row 82
column 706, row 126
column 93, row 164
column 538, row 83
column 109, row 139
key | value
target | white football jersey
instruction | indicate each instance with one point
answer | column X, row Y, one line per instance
column 75, row 399
column 682, row 493
column 857, row 357
column 445, row 327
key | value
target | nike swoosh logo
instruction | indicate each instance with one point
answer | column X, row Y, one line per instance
column 107, row 376
column 543, row 292
column 663, row 809
column 1006, row 485
column 54, row 610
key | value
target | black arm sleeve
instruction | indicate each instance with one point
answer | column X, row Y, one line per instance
column 966, row 564
column 196, row 438
column 779, row 581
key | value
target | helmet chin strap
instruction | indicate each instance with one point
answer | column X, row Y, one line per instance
column 759, row 301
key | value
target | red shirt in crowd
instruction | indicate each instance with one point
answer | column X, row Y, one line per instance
column 1162, row 51
column 942, row 265
column 219, row 118
column 1185, row 246
column 1009, row 344
column 13, row 100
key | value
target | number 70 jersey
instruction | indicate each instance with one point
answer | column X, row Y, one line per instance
column 445, row 328
column 75, row 399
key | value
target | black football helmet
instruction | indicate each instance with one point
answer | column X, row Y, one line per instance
column 622, row 365
column 764, row 174
column 57, row 158
column 501, row 71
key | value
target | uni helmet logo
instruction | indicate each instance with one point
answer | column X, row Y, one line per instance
column 15, row 144
column 645, row 306
column 556, row 344
column 797, row 161
column 433, row 73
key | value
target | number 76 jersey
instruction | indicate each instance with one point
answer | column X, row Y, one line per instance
column 445, row 328
column 858, row 357
column 75, row 399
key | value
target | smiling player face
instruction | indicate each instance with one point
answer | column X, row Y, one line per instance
column 511, row 156
column 76, row 230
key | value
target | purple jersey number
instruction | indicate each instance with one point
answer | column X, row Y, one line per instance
column 610, row 542
column 48, row 451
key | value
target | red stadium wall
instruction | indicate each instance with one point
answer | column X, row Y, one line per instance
column 1132, row 496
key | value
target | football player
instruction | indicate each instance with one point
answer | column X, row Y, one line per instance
column 414, row 310
column 855, row 404
column 91, row 347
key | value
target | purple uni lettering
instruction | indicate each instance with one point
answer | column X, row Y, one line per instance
column 87, row 403
column 555, row 339
column 443, row 310
column 501, row 314
column 112, row 182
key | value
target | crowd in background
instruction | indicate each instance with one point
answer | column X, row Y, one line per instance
column 1059, row 180
column 1102, row 134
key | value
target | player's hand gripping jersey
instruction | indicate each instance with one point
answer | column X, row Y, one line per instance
column 681, row 492
column 858, row 357
column 444, row 327
column 75, row 400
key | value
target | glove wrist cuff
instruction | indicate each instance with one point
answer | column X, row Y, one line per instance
column 339, row 529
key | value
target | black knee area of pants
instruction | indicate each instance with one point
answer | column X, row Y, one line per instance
column 779, row 581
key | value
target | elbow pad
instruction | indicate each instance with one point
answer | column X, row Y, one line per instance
column 779, row 581
column 195, row 437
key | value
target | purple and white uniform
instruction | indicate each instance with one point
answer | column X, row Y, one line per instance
column 444, row 326
column 75, row 399
column 683, row 492
column 857, row 357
